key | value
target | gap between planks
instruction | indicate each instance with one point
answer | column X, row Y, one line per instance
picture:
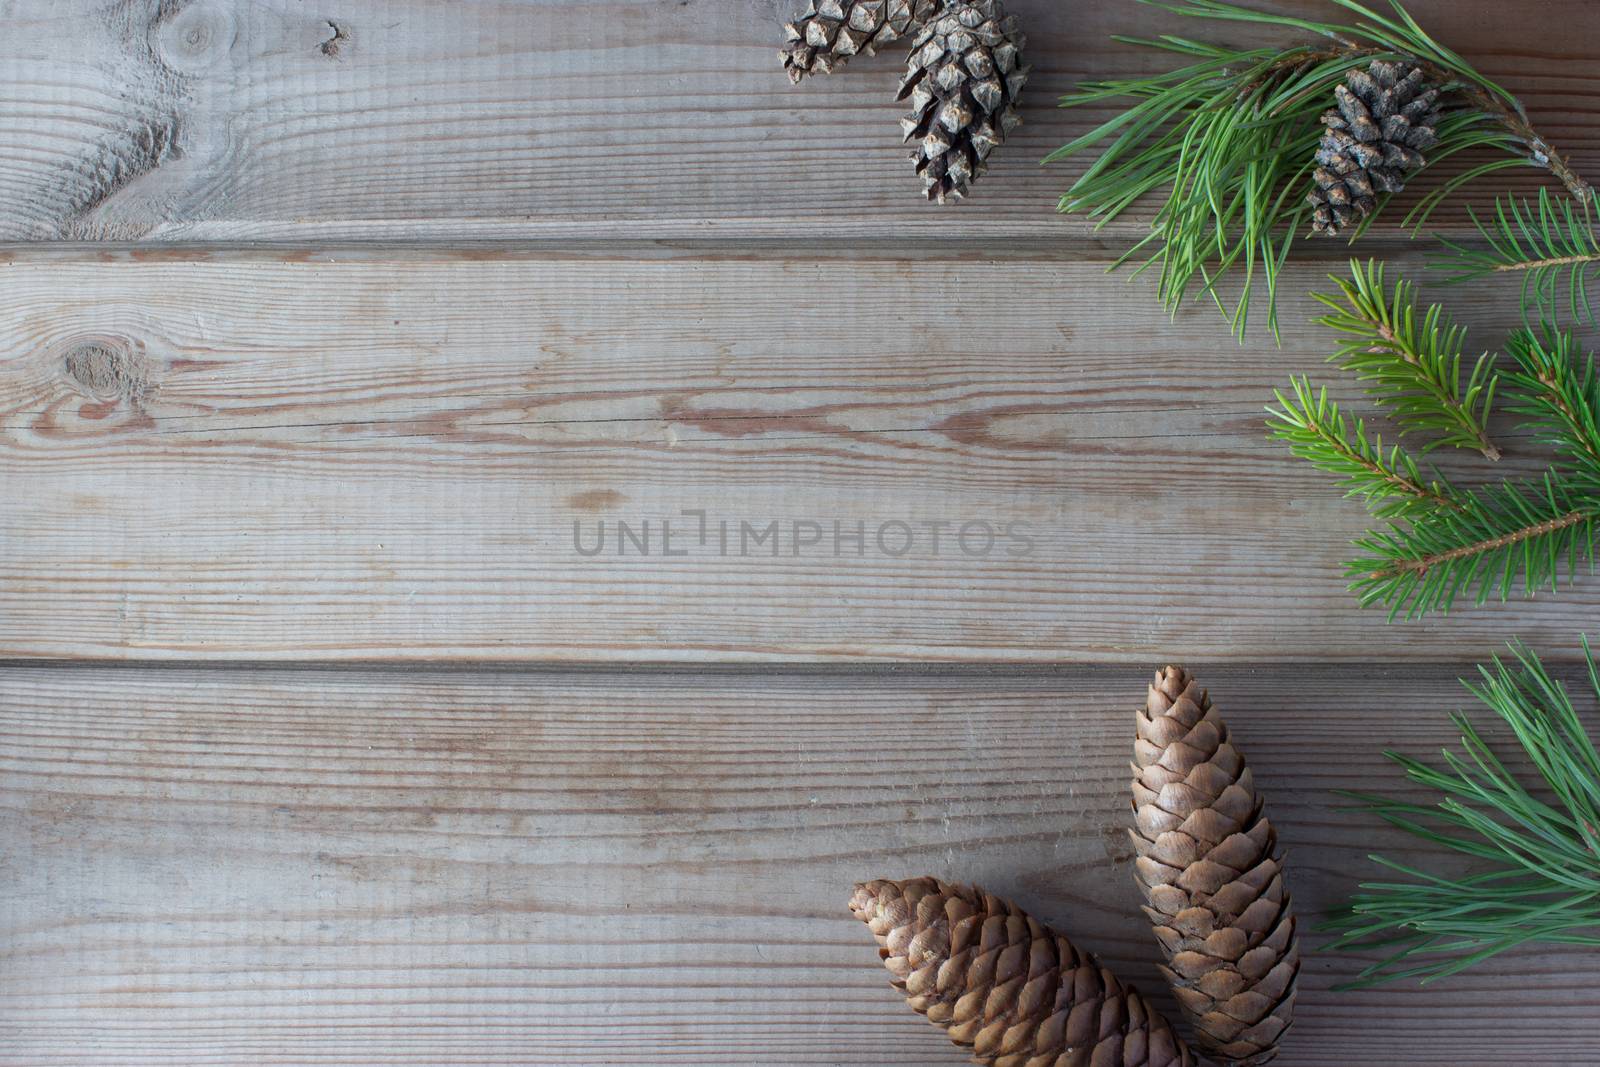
column 1107, row 248
column 799, row 670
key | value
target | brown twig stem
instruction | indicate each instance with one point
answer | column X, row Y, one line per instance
column 1408, row 486
column 1424, row 564
column 1540, row 264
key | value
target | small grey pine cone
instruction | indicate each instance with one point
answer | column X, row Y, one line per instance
column 829, row 32
column 963, row 79
column 1386, row 116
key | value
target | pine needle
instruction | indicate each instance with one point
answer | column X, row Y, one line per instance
column 1536, row 842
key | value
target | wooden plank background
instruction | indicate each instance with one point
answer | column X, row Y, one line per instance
column 419, row 447
column 399, row 119
column 330, row 867
column 321, row 326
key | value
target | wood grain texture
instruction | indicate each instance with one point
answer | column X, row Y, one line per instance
column 390, row 457
column 344, row 867
column 390, row 119
column 542, row 265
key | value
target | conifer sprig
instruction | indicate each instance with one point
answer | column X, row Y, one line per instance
column 1411, row 362
column 1496, row 541
column 1390, row 483
column 1439, row 542
column 1551, row 247
column 1557, row 389
column 1535, row 840
column 1227, row 141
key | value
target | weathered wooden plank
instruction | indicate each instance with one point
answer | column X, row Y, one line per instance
column 218, row 867
column 409, row 458
column 381, row 119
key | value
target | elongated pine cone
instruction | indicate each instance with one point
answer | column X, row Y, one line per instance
column 1012, row 991
column 1209, row 866
column 963, row 79
column 1386, row 116
column 829, row 32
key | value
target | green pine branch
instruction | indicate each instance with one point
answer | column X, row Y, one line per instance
column 1534, row 839
column 1390, row 483
column 1439, row 543
column 1410, row 362
column 1551, row 247
column 1496, row 541
column 1557, row 389
column 1226, row 142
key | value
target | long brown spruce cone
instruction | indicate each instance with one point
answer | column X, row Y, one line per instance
column 1014, row 992
column 828, row 32
column 964, row 76
column 1209, row 866
column 1385, row 117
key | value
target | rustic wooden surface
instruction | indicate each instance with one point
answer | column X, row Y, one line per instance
column 321, row 327
column 370, row 456
column 288, row 120
column 294, row 866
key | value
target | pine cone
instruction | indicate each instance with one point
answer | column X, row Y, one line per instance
column 1010, row 990
column 1374, row 138
column 963, row 79
column 1208, row 864
column 829, row 32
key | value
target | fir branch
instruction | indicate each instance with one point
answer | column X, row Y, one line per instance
column 1551, row 246
column 1316, row 431
column 1540, row 852
column 1422, row 564
column 1497, row 539
column 1440, row 542
column 1230, row 138
column 1411, row 363
column 1557, row 388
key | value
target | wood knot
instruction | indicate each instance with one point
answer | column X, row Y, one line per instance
column 109, row 370
column 196, row 37
column 332, row 46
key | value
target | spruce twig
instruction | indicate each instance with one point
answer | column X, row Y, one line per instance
column 1316, row 430
column 1500, row 539
column 1557, row 389
column 1410, row 362
column 1423, row 564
